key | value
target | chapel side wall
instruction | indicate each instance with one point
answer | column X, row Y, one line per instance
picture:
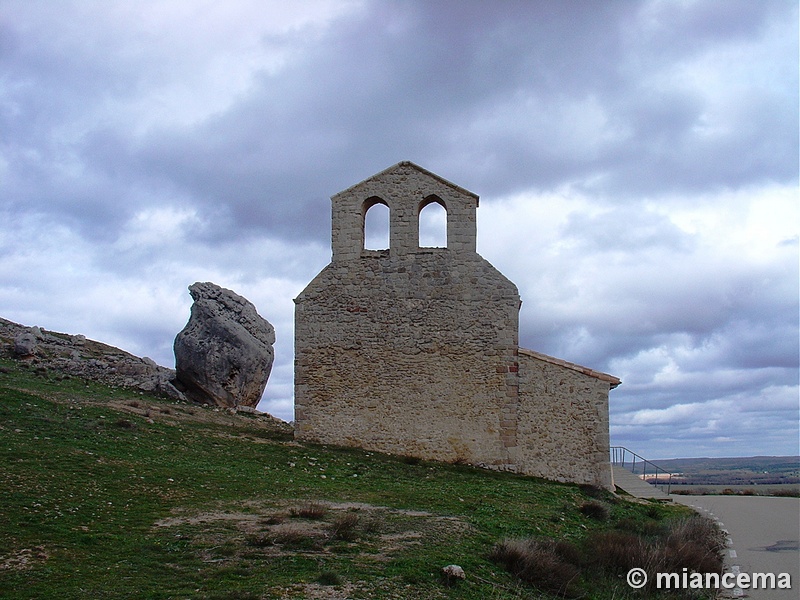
column 563, row 424
column 410, row 356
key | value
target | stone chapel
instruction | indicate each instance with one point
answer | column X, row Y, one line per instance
column 415, row 351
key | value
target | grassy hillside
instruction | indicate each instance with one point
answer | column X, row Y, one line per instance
column 106, row 493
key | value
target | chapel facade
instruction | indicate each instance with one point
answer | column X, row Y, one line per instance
column 413, row 350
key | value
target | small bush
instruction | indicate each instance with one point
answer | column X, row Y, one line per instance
column 595, row 510
column 655, row 512
column 260, row 540
column 329, row 578
column 617, row 551
column 695, row 543
column 540, row 562
column 125, row 424
column 569, row 552
column 310, row 510
column 372, row 525
column 344, row 527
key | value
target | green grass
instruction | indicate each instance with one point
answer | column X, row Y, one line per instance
column 105, row 493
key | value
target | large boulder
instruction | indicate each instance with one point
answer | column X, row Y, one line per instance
column 224, row 354
column 25, row 344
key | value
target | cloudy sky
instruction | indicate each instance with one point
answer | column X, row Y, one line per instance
column 637, row 163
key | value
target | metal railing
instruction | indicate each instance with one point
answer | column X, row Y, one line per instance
column 649, row 472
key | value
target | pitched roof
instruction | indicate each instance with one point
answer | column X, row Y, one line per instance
column 405, row 164
column 613, row 381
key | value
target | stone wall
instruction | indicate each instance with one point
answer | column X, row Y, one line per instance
column 407, row 355
column 562, row 429
column 415, row 351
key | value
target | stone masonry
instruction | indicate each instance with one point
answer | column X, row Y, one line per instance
column 415, row 351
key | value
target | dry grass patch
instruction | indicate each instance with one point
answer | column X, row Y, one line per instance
column 374, row 533
column 310, row 510
column 544, row 563
column 344, row 527
column 694, row 543
column 289, row 536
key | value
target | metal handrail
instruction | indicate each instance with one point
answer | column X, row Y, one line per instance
column 622, row 456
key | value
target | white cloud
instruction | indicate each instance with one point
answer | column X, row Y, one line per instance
column 690, row 300
column 637, row 164
column 63, row 282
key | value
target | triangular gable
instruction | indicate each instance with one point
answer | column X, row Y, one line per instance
column 408, row 165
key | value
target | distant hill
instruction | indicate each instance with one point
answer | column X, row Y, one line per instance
column 754, row 470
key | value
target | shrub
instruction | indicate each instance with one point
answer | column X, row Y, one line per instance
column 329, row 578
column 344, row 527
column 540, row 562
column 371, row 525
column 595, row 510
column 617, row 551
column 695, row 543
column 310, row 510
column 655, row 512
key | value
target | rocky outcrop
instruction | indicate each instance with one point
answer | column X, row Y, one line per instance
column 76, row 356
column 25, row 342
column 224, row 354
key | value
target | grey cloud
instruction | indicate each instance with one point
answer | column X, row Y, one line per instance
column 502, row 98
column 404, row 81
column 623, row 229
